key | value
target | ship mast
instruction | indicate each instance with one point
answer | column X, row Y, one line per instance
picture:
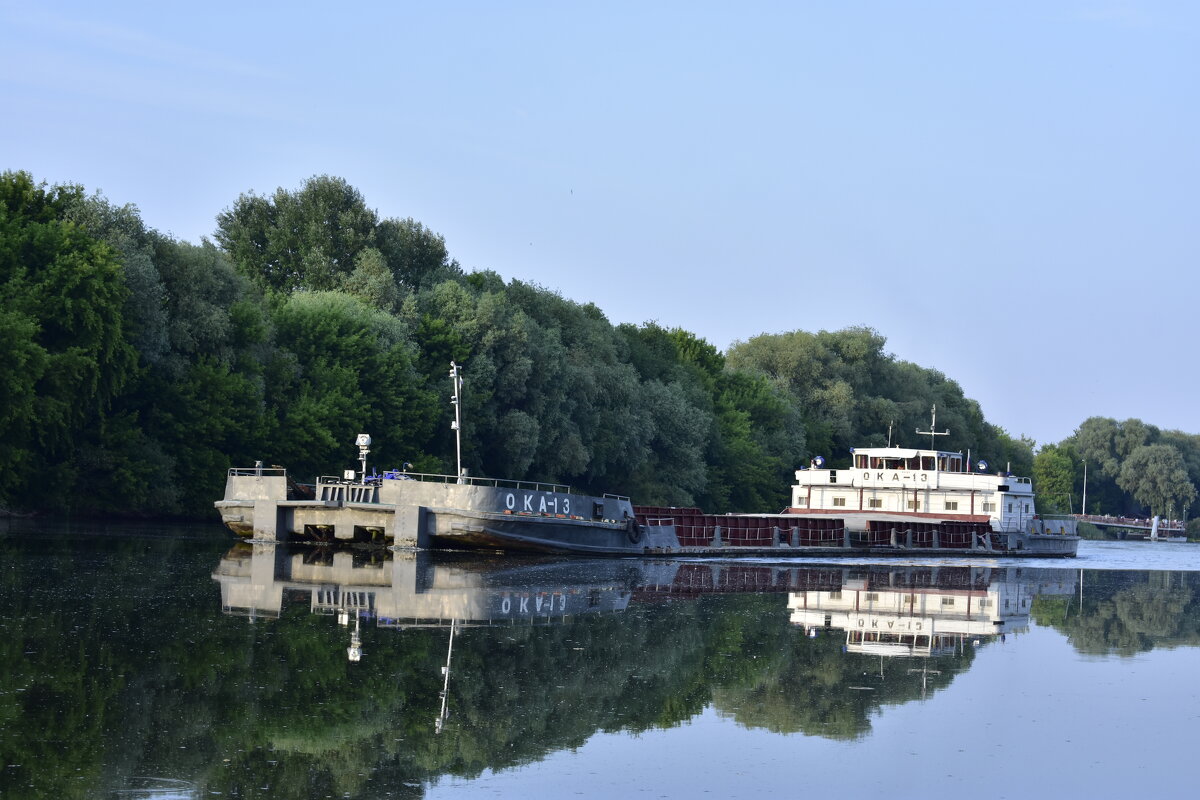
column 456, row 401
column 933, row 432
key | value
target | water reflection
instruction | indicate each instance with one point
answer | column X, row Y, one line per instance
column 925, row 611
column 414, row 590
column 888, row 611
column 767, row 677
column 229, row 671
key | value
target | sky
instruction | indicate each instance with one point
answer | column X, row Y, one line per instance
column 1007, row 191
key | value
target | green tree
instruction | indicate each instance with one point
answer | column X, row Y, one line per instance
column 850, row 392
column 352, row 373
column 416, row 256
column 324, row 237
column 202, row 336
column 372, row 282
column 307, row 239
column 1054, row 478
column 1157, row 478
column 67, row 354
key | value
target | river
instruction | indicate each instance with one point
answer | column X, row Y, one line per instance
column 172, row 662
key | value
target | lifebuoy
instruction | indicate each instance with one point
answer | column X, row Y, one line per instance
column 633, row 530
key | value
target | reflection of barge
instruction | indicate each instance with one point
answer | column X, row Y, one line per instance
column 418, row 589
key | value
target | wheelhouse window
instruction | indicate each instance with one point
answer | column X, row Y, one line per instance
column 950, row 463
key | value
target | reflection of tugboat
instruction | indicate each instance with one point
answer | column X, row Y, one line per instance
column 925, row 611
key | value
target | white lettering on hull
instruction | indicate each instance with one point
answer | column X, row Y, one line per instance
column 546, row 503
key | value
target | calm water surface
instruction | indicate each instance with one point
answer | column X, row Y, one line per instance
column 175, row 663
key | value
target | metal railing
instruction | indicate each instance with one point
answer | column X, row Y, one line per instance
column 397, row 475
column 499, row 483
column 338, row 490
column 391, row 474
column 1131, row 522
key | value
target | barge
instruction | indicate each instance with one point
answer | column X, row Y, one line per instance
column 891, row 501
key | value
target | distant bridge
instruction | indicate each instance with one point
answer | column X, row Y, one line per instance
column 1165, row 526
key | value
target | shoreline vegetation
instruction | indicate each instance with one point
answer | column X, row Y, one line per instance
column 135, row 369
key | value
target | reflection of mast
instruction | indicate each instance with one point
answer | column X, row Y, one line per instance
column 925, row 673
column 444, row 713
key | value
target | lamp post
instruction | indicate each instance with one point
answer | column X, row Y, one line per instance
column 364, row 444
column 1084, row 509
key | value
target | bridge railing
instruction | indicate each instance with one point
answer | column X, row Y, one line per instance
column 1131, row 522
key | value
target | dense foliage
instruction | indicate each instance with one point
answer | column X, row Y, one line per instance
column 135, row 369
column 1133, row 469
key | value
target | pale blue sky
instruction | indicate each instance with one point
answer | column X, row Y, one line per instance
column 1006, row 190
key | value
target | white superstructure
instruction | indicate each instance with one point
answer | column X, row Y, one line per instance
column 922, row 485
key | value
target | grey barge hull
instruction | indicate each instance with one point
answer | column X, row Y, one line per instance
column 437, row 512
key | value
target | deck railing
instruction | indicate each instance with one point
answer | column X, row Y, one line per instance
column 329, row 487
column 501, row 483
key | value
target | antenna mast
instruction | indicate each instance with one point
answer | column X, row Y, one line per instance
column 456, row 382
column 933, row 432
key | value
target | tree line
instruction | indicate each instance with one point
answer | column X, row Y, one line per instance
column 136, row 368
column 1131, row 468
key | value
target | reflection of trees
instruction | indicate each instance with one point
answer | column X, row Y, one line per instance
column 821, row 691
column 1127, row 612
column 131, row 672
